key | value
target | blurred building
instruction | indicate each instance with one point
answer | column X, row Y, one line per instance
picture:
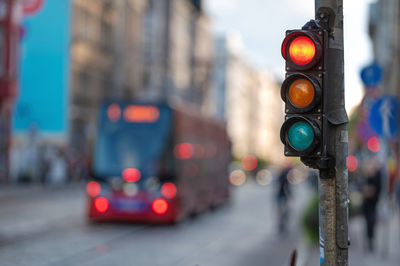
column 78, row 54
column 384, row 30
column 250, row 102
column 105, row 50
column 179, row 51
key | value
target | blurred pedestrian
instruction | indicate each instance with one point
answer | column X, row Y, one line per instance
column 371, row 192
column 282, row 197
column 58, row 169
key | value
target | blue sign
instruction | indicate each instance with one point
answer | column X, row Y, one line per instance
column 44, row 70
column 371, row 75
column 384, row 117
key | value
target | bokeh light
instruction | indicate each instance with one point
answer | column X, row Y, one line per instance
column 130, row 189
column 373, row 144
column 131, row 175
column 184, row 151
column 264, row 177
column 160, row 206
column 93, row 189
column 237, row 177
column 352, row 163
column 297, row 175
column 249, row 162
column 114, row 112
column 101, row 204
column 168, row 190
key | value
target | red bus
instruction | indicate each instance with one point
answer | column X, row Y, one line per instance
column 155, row 163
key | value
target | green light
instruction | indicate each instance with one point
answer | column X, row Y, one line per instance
column 301, row 135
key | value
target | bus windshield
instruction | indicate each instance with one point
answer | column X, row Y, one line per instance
column 121, row 145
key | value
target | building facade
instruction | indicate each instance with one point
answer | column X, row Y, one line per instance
column 106, row 53
column 179, row 51
column 384, row 30
column 249, row 100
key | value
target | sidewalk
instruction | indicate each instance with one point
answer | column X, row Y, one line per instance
column 386, row 246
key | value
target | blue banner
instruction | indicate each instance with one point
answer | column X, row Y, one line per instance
column 44, row 70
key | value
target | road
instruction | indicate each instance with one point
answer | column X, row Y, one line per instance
column 47, row 226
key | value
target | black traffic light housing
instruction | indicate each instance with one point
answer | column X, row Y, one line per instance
column 305, row 53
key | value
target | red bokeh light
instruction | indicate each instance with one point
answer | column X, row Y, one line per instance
column 160, row 206
column 93, row 189
column 131, row 175
column 184, row 151
column 352, row 163
column 302, row 50
column 168, row 190
column 101, row 204
column 114, row 112
column 249, row 162
column 373, row 144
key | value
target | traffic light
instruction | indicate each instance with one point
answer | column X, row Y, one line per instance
column 303, row 133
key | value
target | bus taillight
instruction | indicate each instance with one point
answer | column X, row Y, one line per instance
column 160, row 206
column 93, row 189
column 101, row 204
column 168, row 190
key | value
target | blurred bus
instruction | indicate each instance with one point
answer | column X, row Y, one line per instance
column 156, row 163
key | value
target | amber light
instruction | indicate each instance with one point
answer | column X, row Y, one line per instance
column 301, row 93
column 141, row 114
column 302, row 50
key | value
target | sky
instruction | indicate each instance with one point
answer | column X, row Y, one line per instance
column 262, row 25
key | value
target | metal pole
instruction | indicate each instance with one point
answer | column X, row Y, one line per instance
column 333, row 192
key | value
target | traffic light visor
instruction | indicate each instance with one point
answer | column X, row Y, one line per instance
column 301, row 93
column 301, row 135
column 302, row 50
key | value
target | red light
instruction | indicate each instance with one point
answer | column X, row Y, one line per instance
column 160, row 206
column 93, row 189
column 302, row 50
column 249, row 162
column 141, row 114
column 352, row 163
column 168, row 190
column 114, row 112
column 184, row 151
column 131, row 175
column 101, row 204
column 373, row 144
